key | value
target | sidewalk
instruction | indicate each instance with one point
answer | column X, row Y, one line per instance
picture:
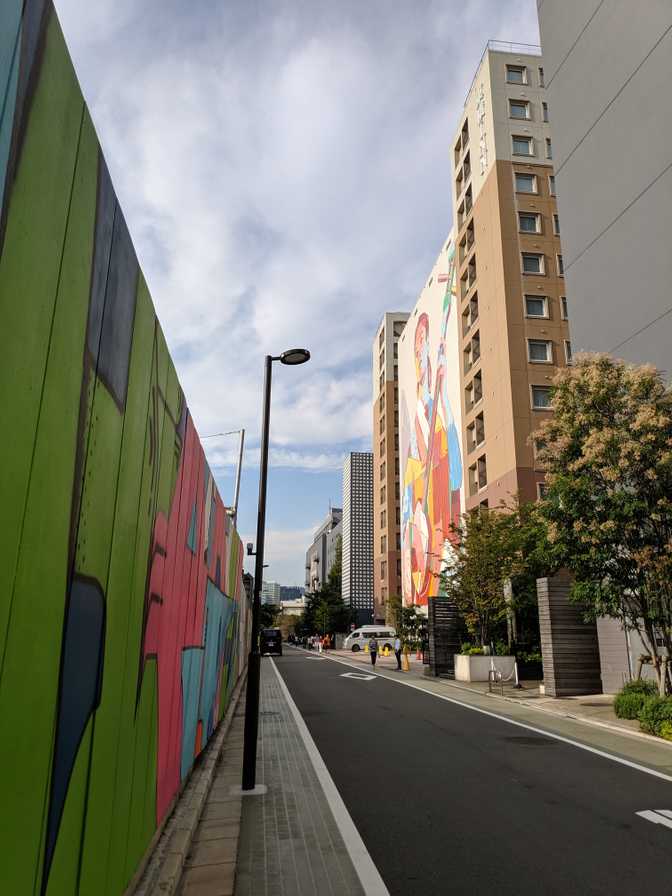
column 284, row 842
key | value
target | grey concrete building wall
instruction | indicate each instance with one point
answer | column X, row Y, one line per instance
column 319, row 555
column 608, row 69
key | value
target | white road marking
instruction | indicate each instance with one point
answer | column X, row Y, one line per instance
column 494, row 715
column 369, row 876
column 309, row 657
column 358, row 676
column 657, row 816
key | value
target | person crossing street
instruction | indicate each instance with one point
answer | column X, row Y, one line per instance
column 373, row 650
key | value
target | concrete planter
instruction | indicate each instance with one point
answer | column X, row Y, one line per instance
column 476, row 668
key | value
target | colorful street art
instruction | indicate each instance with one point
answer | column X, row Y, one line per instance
column 431, row 461
column 122, row 615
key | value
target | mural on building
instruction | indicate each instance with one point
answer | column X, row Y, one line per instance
column 121, row 610
column 431, row 462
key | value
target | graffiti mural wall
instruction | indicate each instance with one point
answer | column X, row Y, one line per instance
column 121, row 597
column 429, row 431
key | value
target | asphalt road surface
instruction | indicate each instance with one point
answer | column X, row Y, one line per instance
column 451, row 801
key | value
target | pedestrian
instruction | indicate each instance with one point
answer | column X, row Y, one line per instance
column 397, row 652
column 373, row 650
column 320, row 643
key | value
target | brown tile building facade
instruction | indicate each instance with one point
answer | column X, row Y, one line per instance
column 510, row 285
column 386, row 497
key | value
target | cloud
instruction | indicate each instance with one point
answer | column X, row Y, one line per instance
column 283, row 546
column 285, row 171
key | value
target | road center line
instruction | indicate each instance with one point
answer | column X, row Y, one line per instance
column 368, row 874
column 527, row 727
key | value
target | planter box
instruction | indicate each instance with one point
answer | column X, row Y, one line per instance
column 476, row 668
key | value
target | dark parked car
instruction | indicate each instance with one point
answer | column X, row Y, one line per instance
column 270, row 641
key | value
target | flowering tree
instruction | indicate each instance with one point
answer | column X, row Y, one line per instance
column 607, row 450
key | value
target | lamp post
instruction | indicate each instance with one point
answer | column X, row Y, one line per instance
column 292, row 357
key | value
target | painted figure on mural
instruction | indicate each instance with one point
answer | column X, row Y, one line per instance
column 433, row 467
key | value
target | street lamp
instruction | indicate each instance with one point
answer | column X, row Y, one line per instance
column 291, row 357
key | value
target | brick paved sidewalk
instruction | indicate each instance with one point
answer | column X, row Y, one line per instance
column 290, row 844
column 282, row 843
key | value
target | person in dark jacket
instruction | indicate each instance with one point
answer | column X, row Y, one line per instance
column 373, row 650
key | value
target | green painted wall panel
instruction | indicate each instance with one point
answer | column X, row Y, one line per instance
column 28, row 290
column 100, row 591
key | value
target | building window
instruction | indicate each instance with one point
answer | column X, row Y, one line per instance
column 476, row 432
column 529, row 222
column 383, row 543
column 382, row 495
column 382, row 470
column 549, row 148
column 522, row 146
column 525, row 183
column 539, row 351
column 383, row 519
column 381, row 338
column 563, row 307
column 551, row 184
column 516, row 74
column 398, row 328
column 542, row 490
column 383, row 568
column 541, row 398
column 544, row 108
column 541, row 77
column 382, row 381
column 568, row 351
column 536, row 306
column 519, row 109
column 533, row 263
column 381, row 404
column 561, row 266
column 556, row 225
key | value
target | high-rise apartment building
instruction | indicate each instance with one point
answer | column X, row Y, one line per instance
column 270, row 592
column 386, row 497
column 608, row 71
column 510, row 276
column 357, row 575
column 321, row 555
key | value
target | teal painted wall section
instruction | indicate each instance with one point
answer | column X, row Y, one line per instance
column 122, row 616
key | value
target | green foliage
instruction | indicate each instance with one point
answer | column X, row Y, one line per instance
column 656, row 713
column 471, row 650
column 666, row 730
column 408, row 622
column 607, row 450
column 268, row 615
column 632, row 697
column 640, row 686
column 325, row 611
column 493, row 548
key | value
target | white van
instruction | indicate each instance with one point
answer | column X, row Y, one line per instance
column 358, row 639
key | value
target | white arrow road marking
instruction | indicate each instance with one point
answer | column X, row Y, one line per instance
column 358, row 676
column 657, row 816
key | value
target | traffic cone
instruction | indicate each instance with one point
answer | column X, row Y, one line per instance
column 405, row 663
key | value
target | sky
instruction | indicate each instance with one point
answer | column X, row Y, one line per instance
column 284, row 168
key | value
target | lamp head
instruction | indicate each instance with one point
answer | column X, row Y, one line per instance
column 294, row 356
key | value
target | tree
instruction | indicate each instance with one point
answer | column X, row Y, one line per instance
column 268, row 615
column 494, row 547
column 608, row 455
column 325, row 610
column 407, row 621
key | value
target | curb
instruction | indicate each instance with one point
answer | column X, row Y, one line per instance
column 609, row 726
column 165, row 864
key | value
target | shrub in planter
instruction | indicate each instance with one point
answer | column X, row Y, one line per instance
column 666, row 730
column 632, row 697
column 656, row 713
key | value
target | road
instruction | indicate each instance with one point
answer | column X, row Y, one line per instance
column 452, row 801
